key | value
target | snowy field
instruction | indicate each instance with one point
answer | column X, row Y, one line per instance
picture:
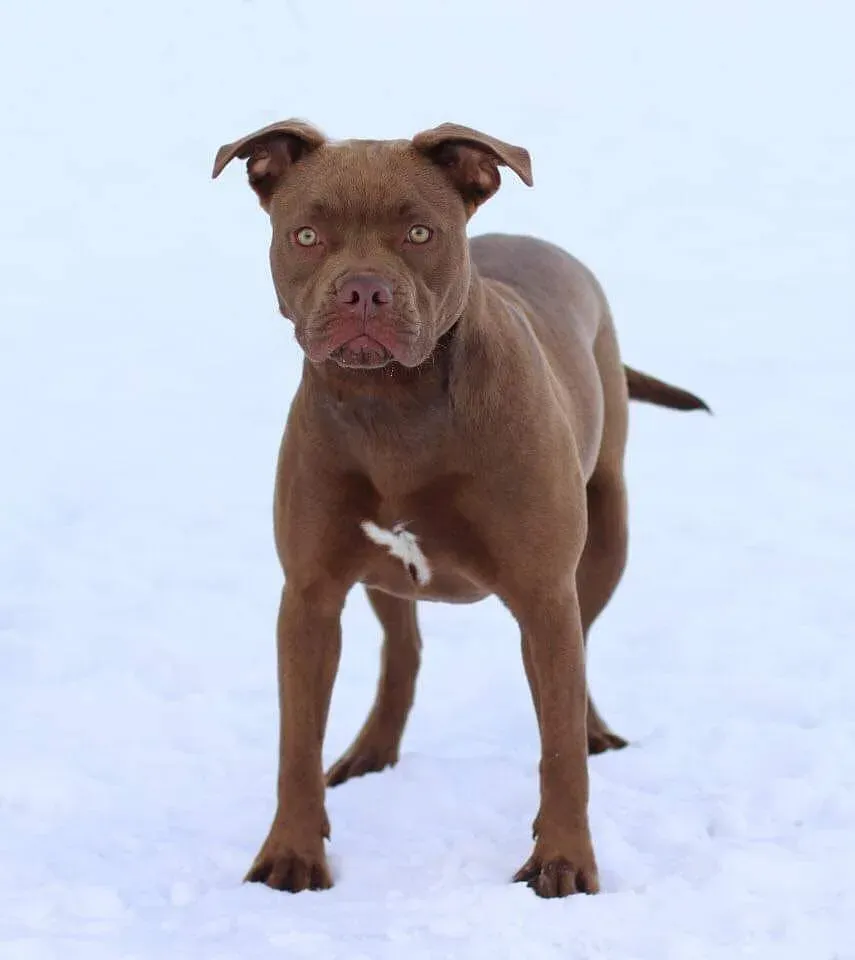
column 701, row 158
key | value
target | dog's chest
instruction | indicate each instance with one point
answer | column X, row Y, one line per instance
column 428, row 552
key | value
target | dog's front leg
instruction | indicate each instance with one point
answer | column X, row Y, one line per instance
column 309, row 645
column 553, row 652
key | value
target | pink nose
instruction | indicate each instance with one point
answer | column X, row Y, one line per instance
column 364, row 290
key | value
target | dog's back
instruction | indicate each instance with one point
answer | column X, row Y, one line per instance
column 567, row 312
column 570, row 310
column 567, row 300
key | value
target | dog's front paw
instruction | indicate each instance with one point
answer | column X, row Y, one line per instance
column 556, row 875
column 284, row 865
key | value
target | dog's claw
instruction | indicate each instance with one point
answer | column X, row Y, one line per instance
column 527, row 872
column 289, row 871
column 556, row 878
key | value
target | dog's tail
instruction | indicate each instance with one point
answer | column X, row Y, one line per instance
column 648, row 389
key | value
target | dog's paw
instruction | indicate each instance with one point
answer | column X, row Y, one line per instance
column 560, row 869
column 281, row 867
column 558, row 876
column 599, row 741
column 363, row 756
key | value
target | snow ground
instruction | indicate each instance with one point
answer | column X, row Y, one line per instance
column 701, row 158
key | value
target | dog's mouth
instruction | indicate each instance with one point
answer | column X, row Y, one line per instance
column 362, row 353
column 362, row 342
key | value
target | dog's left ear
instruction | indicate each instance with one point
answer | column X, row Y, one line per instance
column 471, row 160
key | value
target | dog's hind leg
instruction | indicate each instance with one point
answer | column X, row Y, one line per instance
column 378, row 742
column 604, row 558
column 600, row 570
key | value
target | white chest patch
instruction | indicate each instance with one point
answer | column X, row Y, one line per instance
column 403, row 545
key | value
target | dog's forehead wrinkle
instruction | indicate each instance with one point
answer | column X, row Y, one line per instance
column 368, row 202
column 367, row 160
column 354, row 182
column 379, row 174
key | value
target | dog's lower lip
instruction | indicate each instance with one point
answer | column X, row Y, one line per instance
column 362, row 352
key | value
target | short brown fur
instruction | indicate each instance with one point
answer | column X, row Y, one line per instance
column 473, row 392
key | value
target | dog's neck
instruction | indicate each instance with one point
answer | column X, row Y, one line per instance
column 404, row 420
column 397, row 423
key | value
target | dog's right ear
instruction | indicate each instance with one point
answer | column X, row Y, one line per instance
column 270, row 153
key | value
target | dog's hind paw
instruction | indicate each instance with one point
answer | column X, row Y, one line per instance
column 599, row 741
column 362, row 757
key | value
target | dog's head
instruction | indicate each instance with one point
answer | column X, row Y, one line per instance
column 369, row 253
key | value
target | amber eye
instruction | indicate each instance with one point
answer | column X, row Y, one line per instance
column 419, row 234
column 306, row 237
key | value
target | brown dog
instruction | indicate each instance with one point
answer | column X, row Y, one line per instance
column 459, row 431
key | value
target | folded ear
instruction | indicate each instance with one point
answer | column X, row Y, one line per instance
column 269, row 153
column 471, row 160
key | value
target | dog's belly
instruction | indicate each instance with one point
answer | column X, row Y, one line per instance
column 445, row 589
column 446, row 586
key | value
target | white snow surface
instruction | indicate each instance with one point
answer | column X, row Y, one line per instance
column 701, row 159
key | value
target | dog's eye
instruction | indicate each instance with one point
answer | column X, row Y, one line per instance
column 419, row 234
column 306, row 237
